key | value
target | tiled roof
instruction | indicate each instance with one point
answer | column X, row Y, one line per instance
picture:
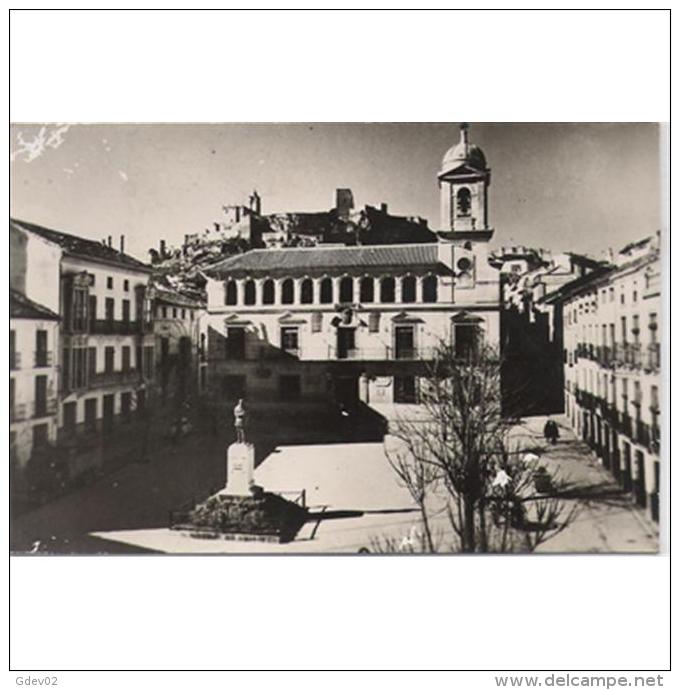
column 20, row 307
column 169, row 296
column 330, row 258
column 81, row 247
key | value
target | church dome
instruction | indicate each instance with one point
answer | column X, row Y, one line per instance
column 464, row 153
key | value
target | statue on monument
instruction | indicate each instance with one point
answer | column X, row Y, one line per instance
column 240, row 421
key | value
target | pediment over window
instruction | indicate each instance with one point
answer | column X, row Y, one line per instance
column 463, row 316
column 290, row 318
column 405, row 317
column 236, row 320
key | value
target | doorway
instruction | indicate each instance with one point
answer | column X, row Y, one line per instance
column 346, row 343
column 404, row 342
column 347, row 391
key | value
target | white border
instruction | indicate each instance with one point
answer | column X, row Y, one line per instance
column 568, row 612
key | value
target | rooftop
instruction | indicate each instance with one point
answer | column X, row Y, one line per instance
column 21, row 307
column 330, row 258
column 81, row 247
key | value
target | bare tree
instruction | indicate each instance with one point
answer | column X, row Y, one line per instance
column 462, row 445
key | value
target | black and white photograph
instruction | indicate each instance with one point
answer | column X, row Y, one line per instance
column 339, row 339
column 429, row 363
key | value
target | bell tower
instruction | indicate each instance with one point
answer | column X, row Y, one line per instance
column 464, row 183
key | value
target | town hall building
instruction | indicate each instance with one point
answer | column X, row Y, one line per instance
column 359, row 323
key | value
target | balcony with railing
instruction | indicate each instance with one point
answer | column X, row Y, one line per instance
column 626, row 424
column 113, row 378
column 44, row 408
column 18, row 413
column 111, row 327
column 653, row 357
column 42, row 358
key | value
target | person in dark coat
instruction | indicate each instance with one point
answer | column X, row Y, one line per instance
column 551, row 431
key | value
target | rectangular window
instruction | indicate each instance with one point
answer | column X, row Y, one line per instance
column 107, row 413
column 92, row 309
column 91, row 414
column 40, row 435
column 405, row 390
column 148, row 361
column 41, row 356
column 109, row 354
column 40, row 396
column 653, row 327
column 80, row 308
column 374, row 322
column 184, row 313
column 289, row 387
column 404, row 342
column 110, row 306
column 636, row 329
column 624, row 330
column 66, row 383
column 125, row 405
column 126, row 311
column 126, row 285
column 164, row 312
column 317, row 322
column 13, row 359
column 70, row 417
column 174, row 312
column 91, row 361
column 289, row 339
column 466, row 341
column 126, row 358
column 109, row 282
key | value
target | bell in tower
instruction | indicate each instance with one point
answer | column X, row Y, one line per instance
column 464, row 182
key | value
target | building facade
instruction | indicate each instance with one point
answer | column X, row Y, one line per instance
column 33, row 383
column 357, row 324
column 176, row 329
column 105, row 354
column 612, row 366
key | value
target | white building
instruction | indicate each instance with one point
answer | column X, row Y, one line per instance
column 612, row 366
column 33, row 346
column 357, row 323
column 105, row 355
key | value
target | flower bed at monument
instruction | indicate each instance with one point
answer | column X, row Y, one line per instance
column 261, row 515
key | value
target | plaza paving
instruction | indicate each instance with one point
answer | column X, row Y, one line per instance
column 355, row 499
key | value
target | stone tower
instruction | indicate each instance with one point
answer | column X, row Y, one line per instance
column 464, row 182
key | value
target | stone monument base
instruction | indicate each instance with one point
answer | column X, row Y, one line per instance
column 240, row 468
column 260, row 517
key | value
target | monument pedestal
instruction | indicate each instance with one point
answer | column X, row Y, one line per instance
column 240, row 468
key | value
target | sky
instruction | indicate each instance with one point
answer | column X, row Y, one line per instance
column 565, row 187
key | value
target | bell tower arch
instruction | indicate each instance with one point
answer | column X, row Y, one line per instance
column 464, row 183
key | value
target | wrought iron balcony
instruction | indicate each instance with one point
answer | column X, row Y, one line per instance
column 113, row 378
column 111, row 327
column 42, row 358
column 17, row 413
column 44, row 408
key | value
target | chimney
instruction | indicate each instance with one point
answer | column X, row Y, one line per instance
column 122, row 244
column 162, row 248
column 383, row 207
column 109, row 241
